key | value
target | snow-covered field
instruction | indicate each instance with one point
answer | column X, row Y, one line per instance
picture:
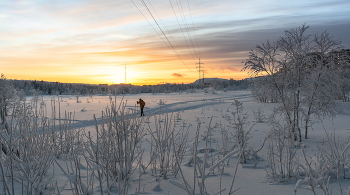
column 209, row 114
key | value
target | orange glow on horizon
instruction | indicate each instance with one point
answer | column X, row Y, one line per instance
column 142, row 67
column 117, row 80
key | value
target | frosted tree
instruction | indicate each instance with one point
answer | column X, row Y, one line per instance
column 267, row 63
column 7, row 92
column 342, row 58
column 298, row 72
column 321, row 79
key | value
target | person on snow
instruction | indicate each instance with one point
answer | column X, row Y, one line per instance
column 142, row 105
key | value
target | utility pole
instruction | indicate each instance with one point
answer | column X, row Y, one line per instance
column 125, row 74
column 203, row 77
column 199, row 70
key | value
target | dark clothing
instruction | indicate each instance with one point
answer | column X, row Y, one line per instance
column 142, row 114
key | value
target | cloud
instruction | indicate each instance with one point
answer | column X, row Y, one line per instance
column 66, row 36
column 229, row 69
column 177, row 75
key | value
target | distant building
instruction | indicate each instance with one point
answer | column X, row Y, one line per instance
column 209, row 81
column 122, row 84
column 340, row 56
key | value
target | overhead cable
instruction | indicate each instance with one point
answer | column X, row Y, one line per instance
column 195, row 36
column 183, row 34
column 172, row 47
column 169, row 34
column 179, row 4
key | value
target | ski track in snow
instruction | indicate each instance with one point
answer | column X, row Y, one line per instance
column 170, row 108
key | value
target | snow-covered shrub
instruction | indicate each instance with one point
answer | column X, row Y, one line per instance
column 240, row 133
column 282, row 159
column 227, row 144
column 334, row 158
column 77, row 96
column 259, row 116
column 330, row 162
column 116, row 148
column 199, row 168
column 236, row 135
column 28, row 151
column 178, row 116
column 161, row 103
column 313, row 175
column 168, row 146
column 202, row 168
column 79, row 184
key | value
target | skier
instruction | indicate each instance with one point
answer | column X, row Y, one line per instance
column 142, row 105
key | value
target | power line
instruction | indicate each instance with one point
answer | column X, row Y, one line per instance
column 149, row 11
column 175, row 44
column 149, row 23
column 166, row 40
column 179, row 4
column 193, row 28
column 183, row 34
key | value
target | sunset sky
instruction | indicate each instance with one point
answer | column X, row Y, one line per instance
column 90, row 41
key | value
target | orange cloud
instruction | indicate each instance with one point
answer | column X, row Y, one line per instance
column 177, row 75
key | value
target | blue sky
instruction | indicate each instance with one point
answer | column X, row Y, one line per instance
column 90, row 41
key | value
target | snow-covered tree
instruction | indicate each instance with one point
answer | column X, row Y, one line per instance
column 342, row 59
column 7, row 92
column 298, row 72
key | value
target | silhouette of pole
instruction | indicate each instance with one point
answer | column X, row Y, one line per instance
column 199, row 70
column 203, row 77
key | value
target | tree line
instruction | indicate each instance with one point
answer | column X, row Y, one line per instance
column 30, row 87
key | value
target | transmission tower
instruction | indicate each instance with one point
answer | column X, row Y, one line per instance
column 199, row 71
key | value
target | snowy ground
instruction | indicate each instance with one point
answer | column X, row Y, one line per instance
column 212, row 109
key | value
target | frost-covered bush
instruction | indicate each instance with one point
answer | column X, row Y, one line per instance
column 334, row 158
column 77, row 96
column 28, row 150
column 116, row 148
column 282, row 153
column 312, row 175
column 168, row 146
column 259, row 116
column 161, row 103
column 236, row 136
column 199, row 166
column 330, row 162
column 240, row 133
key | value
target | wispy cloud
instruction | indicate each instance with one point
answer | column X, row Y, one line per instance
column 177, row 75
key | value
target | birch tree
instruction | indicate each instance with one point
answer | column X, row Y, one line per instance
column 299, row 71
